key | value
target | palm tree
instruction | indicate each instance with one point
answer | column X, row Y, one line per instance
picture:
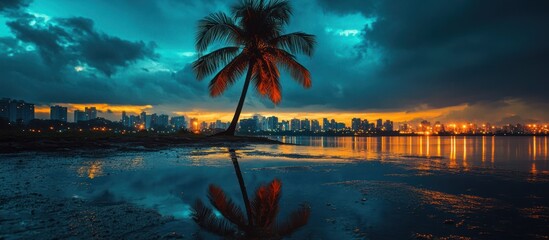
column 264, row 209
column 257, row 45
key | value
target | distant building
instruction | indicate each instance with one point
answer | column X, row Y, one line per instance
column 91, row 113
column 125, row 119
column 295, row 124
column 80, row 116
column 148, row 121
column 16, row 111
column 315, row 126
column 388, row 126
column 162, row 120
column 365, row 125
column 305, row 124
column 179, row 122
column 356, row 124
column 284, row 125
column 379, row 124
column 5, row 108
column 325, row 124
column 272, row 123
column 248, row 125
column 135, row 121
column 203, row 126
column 194, row 125
column 221, row 125
column 58, row 113
column 143, row 117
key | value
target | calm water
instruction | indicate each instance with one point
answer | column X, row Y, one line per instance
column 527, row 154
column 357, row 187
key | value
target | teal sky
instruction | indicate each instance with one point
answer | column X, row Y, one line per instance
column 372, row 56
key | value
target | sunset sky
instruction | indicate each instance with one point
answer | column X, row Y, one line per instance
column 457, row 60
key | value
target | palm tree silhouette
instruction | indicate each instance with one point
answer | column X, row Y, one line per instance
column 257, row 44
column 261, row 225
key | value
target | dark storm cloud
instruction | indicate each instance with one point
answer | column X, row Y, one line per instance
column 444, row 53
column 25, row 75
column 13, row 4
column 74, row 41
column 348, row 6
column 412, row 55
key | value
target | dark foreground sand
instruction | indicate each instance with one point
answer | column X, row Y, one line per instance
column 105, row 142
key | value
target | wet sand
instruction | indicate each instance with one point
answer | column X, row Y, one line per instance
column 144, row 195
column 118, row 142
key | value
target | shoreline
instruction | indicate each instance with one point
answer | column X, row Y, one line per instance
column 86, row 142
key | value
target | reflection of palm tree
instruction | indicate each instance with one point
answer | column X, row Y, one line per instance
column 254, row 33
column 264, row 209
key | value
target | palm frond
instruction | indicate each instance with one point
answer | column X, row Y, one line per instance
column 226, row 206
column 209, row 63
column 297, row 219
column 265, row 203
column 267, row 79
column 296, row 43
column 296, row 70
column 228, row 75
column 261, row 19
column 205, row 218
column 278, row 10
column 217, row 27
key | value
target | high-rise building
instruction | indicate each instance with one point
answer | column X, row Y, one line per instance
column 134, row 121
column 16, row 111
column 356, row 124
column 143, row 116
column 194, row 125
column 27, row 112
column 295, row 124
column 58, row 113
column 220, row 125
column 284, row 125
column 272, row 123
column 315, row 126
column 91, row 113
column 162, row 120
column 5, row 109
column 178, row 122
column 80, row 116
column 203, row 126
column 259, row 120
column 148, row 121
column 325, row 124
column 248, row 125
column 365, row 125
column 125, row 119
column 306, row 124
column 333, row 124
column 388, row 126
column 379, row 124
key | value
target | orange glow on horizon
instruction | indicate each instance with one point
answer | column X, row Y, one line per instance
column 102, row 107
column 346, row 117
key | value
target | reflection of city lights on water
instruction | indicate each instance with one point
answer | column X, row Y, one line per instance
column 93, row 170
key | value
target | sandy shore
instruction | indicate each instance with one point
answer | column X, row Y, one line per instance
column 135, row 142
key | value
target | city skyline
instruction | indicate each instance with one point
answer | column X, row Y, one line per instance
column 114, row 113
column 14, row 110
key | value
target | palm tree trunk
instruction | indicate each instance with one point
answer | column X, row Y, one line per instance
column 232, row 128
column 242, row 187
